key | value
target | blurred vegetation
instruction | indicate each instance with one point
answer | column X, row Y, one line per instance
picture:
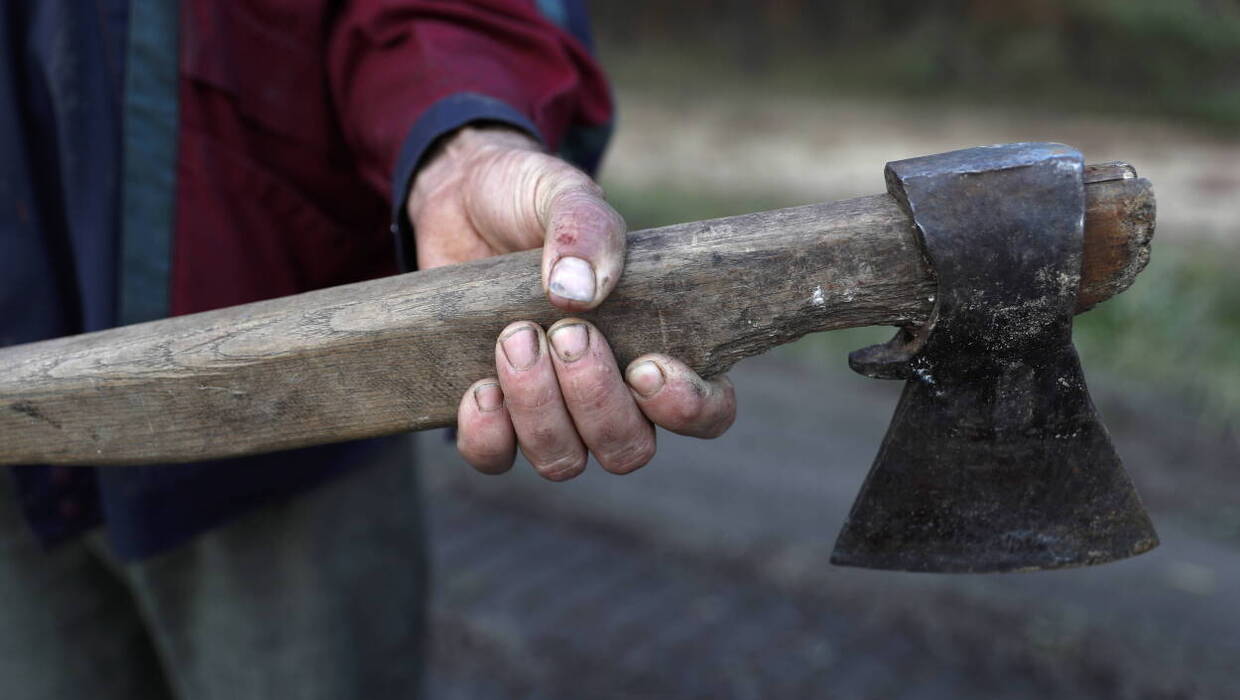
column 1170, row 57
column 1178, row 327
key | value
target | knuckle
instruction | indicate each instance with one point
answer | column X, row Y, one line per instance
column 561, row 467
column 530, row 398
column 554, row 180
column 729, row 417
column 568, row 178
column 630, row 456
column 484, row 458
column 715, row 428
column 684, row 411
column 470, row 441
column 593, row 393
column 725, row 416
column 719, row 421
column 543, row 440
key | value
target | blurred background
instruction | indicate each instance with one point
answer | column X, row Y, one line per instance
column 705, row 574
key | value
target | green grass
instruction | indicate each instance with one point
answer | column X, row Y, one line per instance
column 1176, row 332
column 1177, row 328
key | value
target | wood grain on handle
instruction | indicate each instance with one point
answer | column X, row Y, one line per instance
column 396, row 354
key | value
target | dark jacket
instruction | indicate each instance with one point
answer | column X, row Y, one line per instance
column 156, row 161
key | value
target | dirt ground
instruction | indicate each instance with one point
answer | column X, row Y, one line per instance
column 705, row 575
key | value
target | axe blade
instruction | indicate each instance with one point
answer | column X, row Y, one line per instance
column 996, row 459
column 963, row 485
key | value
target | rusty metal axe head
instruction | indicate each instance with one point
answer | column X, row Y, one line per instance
column 996, row 459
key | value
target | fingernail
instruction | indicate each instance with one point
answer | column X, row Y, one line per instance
column 521, row 348
column 488, row 397
column 572, row 278
column 570, row 341
column 646, row 378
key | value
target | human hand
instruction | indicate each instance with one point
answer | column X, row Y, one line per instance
column 559, row 394
column 490, row 191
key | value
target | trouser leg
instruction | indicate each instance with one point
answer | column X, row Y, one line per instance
column 69, row 628
column 320, row 596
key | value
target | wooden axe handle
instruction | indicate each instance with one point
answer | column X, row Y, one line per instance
column 396, row 354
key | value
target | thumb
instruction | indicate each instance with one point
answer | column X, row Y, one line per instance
column 583, row 254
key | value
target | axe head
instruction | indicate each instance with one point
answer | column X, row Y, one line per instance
column 996, row 459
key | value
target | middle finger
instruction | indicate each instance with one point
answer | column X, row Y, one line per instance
column 544, row 429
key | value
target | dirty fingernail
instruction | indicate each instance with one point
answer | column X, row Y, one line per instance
column 572, row 278
column 645, row 377
column 488, row 397
column 521, row 348
column 570, row 341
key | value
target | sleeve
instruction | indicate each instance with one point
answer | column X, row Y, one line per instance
column 405, row 72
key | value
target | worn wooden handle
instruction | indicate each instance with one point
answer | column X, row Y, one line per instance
column 396, row 354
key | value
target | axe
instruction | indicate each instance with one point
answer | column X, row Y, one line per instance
column 995, row 460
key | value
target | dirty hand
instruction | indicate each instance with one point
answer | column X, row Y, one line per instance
column 559, row 394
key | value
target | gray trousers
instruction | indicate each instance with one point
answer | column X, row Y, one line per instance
column 320, row 596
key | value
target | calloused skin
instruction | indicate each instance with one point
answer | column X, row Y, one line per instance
column 558, row 393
